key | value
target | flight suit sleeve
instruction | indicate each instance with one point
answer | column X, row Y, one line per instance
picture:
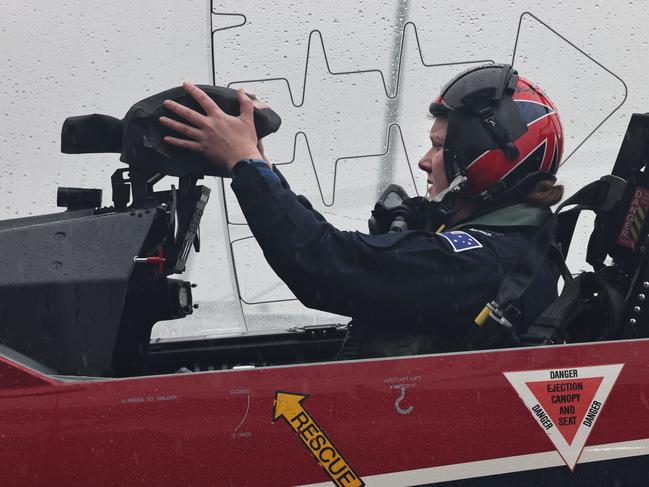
column 404, row 276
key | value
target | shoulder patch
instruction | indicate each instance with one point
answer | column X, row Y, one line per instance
column 460, row 241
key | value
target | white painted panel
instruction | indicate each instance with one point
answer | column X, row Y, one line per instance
column 351, row 80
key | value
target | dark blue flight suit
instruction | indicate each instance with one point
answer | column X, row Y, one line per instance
column 408, row 293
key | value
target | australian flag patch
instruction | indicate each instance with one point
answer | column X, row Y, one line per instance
column 461, row 241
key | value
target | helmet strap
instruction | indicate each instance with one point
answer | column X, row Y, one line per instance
column 453, row 189
column 498, row 132
column 441, row 207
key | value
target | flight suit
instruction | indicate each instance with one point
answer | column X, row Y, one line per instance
column 407, row 293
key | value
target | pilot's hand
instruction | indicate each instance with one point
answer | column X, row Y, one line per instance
column 221, row 138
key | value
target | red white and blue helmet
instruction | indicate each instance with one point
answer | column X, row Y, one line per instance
column 501, row 128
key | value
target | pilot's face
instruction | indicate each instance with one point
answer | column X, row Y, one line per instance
column 433, row 160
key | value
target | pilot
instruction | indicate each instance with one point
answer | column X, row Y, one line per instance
column 496, row 143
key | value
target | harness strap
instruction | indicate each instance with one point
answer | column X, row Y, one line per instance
column 598, row 196
column 574, row 308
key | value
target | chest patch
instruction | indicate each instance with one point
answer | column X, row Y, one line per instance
column 460, row 241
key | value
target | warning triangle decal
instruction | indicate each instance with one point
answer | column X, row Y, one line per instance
column 566, row 402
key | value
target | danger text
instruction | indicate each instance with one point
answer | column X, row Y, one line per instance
column 563, row 374
column 592, row 413
column 543, row 418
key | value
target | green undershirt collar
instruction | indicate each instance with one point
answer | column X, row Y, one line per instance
column 520, row 215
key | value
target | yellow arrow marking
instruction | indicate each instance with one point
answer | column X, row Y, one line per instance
column 289, row 406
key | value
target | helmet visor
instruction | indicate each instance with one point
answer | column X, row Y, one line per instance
column 478, row 87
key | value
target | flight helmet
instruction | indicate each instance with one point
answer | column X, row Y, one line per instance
column 502, row 129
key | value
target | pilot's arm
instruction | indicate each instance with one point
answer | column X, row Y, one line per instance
column 409, row 277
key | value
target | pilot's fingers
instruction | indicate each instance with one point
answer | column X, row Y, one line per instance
column 209, row 105
column 192, row 116
column 181, row 128
column 246, row 107
column 183, row 143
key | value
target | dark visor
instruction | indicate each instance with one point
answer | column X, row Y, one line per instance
column 475, row 88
